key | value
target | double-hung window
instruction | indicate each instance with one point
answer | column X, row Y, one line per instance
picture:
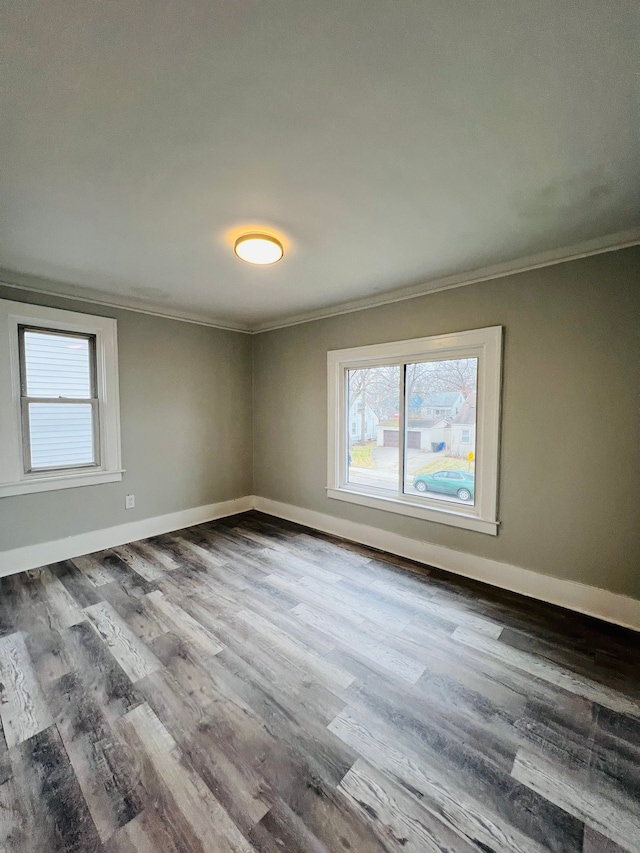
column 59, row 400
column 432, row 449
column 59, row 410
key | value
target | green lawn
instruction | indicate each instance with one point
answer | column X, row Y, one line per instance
column 447, row 463
column 361, row 455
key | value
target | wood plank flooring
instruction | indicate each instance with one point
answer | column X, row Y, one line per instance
column 250, row 685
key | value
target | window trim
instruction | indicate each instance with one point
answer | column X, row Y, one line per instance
column 484, row 344
column 15, row 479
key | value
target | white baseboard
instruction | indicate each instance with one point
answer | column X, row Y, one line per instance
column 590, row 600
column 33, row 556
column 609, row 606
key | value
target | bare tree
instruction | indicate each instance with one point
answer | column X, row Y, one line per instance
column 458, row 374
column 417, row 379
column 432, row 377
column 359, row 381
column 377, row 387
column 372, row 386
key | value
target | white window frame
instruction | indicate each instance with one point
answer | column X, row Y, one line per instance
column 14, row 479
column 483, row 344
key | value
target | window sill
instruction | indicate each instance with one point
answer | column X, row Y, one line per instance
column 405, row 507
column 53, row 482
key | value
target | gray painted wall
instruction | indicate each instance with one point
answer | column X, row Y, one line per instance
column 570, row 462
column 571, row 422
column 185, row 396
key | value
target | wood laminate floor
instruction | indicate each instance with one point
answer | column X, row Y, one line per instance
column 251, row 685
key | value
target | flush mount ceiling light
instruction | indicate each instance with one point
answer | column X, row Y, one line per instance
column 258, row 249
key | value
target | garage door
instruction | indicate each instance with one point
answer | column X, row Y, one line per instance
column 413, row 440
column 391, row 438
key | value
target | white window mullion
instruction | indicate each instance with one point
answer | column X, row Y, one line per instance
column 345, row 437
column 401, row 429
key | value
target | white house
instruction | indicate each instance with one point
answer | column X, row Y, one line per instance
column 463, row 428
column 445, row 404
column 355, row 421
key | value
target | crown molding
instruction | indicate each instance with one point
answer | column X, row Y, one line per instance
column 20, row 281
column 597, row 246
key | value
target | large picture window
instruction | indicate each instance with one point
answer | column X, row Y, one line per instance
column 59, row 412
column 413, row 427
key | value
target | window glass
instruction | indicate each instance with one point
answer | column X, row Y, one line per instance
column 59, row 368
column 61, row 435
column 57, row 365
column 440, row 427
column 373, row 447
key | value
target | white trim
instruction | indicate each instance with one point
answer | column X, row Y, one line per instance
column 585, row 249
column 34, row 556
column 593, row 601
column 597, row 246
column 483, row 344
column 124, row 303
column 444, row 515
column 14, row 480
column 590, row 600
column 49, row 483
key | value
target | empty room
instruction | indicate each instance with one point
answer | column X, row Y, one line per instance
column 319, row 426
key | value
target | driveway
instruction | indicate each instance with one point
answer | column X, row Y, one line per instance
column 385, row 474
column 386, row 458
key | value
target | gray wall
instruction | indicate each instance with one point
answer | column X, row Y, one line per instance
column 570, row 461
column 185, row 397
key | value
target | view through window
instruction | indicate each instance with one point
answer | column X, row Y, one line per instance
column 436, row 435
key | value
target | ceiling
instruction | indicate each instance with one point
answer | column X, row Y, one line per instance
column 390, row 143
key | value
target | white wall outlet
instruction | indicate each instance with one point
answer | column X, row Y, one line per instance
column 129, row 501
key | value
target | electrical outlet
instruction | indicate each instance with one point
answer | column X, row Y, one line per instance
column 129, row 501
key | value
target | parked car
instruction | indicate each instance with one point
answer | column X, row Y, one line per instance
column 459, row 483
